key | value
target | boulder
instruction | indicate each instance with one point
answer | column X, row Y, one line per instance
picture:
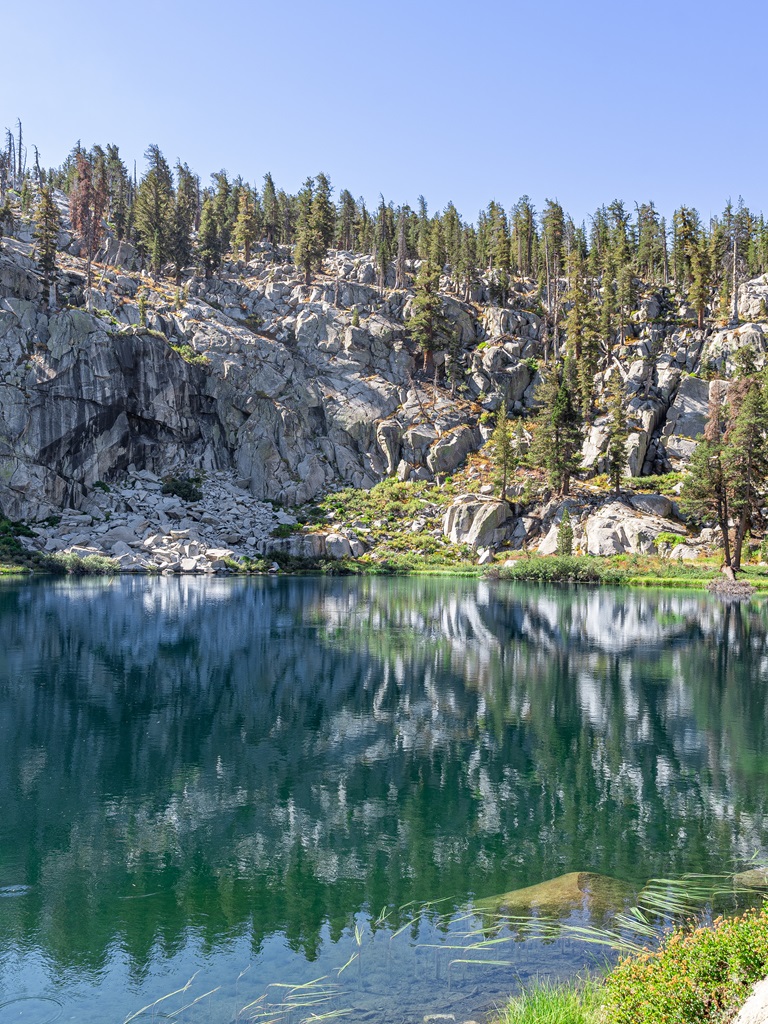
column 549, row 545
column 474, row 520
column 600, row 895
column 755, row 1010
column 337, row 546
column 388, row 434
column 450, row 450
column 594, row 446
column 605, row 536
column 683, row 553
column 653, row 504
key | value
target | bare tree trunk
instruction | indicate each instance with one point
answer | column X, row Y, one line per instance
column 19, row 155
column 738, row 540
column 735, row 297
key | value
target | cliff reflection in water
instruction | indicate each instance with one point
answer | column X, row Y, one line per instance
column 262, row 756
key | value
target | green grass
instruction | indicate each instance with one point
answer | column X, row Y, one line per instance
column 663, row 484
column 623, row 570
column 548, row 1003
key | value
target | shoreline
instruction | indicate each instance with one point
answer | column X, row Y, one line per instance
column 584, row 570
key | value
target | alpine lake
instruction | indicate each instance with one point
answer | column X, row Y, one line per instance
column 299, row 799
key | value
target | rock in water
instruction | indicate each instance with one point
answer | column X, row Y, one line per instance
column 601, row 895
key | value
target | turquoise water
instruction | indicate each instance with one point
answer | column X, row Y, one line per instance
column 240, row 784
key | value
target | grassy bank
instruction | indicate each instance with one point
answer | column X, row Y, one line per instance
column 697, row 975
column 623, row 570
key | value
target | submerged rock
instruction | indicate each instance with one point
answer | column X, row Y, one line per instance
column 601, row 895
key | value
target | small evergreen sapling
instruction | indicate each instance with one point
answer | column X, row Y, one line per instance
column 616, row 450
column 565, row 535
column 502, row 451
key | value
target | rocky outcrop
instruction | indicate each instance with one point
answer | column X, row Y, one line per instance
column 686, row 419
column 753, row 298
column 476, row 520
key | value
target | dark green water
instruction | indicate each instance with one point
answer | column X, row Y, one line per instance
column 230, row 776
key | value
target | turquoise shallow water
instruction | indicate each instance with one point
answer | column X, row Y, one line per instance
column 227, row 782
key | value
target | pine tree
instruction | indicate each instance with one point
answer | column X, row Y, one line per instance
column 26, row 198
column 384, row 239
column 502, row 451
column 47, row 225
column 467, row 267
column 452, row 230
column 705, row 493
column 154, row 208
column 324, row 212
column 119, row 192
column 746, row 457
column 271, row 210
column 345, row 221
column 6, row 219
column 701, row 281
column 224, row 198
column 523, row 236
column 185, row 207
column 246, row 227
column 581, row 332
column 401, row 275
column 423, row 231
column 309, row 250
column 208, row 244
column 616, row 449
column 427, row 324
column 558, row 436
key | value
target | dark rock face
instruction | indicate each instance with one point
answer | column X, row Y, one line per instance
column 80, row 405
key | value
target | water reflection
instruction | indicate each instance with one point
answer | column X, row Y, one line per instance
column 241, row 760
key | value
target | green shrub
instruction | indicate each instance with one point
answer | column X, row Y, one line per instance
column 183, row 487
column 90, row 565
column 669, row 538
column 696, row 976
column 285, row 529
column 189, row 355
column 563, row 568
column 565, row 535
column 663, row 484
column 253, row 322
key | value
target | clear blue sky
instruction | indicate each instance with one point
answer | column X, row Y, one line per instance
column 580, row 101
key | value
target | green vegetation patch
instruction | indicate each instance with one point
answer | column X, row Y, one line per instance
column 615, row 570
column 88, row 565
column 189, row 355
column 696, row 975
column 546, row 1003
column 183, row 487
column 14, row 557
column 663, row 484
